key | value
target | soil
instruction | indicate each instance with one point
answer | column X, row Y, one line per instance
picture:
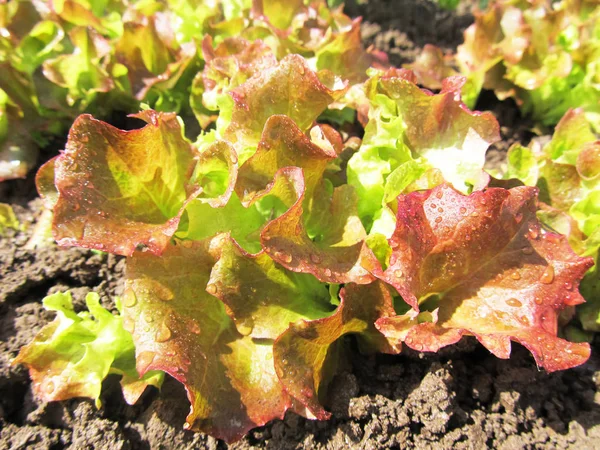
column 461, row 397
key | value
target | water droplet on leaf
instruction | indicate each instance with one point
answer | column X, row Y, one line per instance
column 212, row 289
column 143, row 360
column 194, row 327
column 50, row 387
column 130, row 299
column 129, row 324
column 245, row 326
column 164, row 333
column 514, row 303
column 548, row 275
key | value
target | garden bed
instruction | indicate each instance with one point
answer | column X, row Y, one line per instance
column 461, row 397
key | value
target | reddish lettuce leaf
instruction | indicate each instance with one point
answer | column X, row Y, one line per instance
column 283, row 144
column 291, row 88
column 308, row 352
column 338, row 254
column 121, row 189
column 488, row 268
column 180, row 327
column 227, row 66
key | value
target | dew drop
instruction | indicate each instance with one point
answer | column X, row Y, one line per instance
column 234, row 158
column 433, row 206
column 515, row 275
column 514, row 303
column 438, row 219
column 538, row 301
column 148, row 317
column 440, row 210
column 285, row 257
column 327, row 272
column 463, row 210
column 212, row 289
column 316, row 259
column 569, row 286
column 129, row 324
column 439, row 194
column 474, row 214
column 50, row 387
column 162, row 292
column 398, row 273
column 143, row 360
column 306, row 392
column 550, row 346
column 548, row 275
column 164, row 333
column 534, row 233
column 524, row 320
column 245, row 326
column 527, row 250
column 130, row 299
column 194, row 327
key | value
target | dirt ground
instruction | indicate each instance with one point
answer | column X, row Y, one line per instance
column 460, row 398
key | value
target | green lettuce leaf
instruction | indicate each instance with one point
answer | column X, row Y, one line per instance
column 415, row 140
column 545, row 55
column 8, row 219
column 71, row 356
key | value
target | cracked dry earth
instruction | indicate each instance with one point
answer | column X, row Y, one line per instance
column 460, row 398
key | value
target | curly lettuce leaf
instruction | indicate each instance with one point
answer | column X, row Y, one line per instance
column 567, row 170
column 84, row 72
column 544, row 55
column 8, row 219
column 290, row 88
column 307, row 354
column 415, row 140
column 180, row 327
column 118, row 189
column 482, row 265
column 227, row 66
column 284, row 144
column 262, row 297
column 71, row 356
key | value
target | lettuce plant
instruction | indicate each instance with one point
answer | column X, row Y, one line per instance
column 253, row 252
column 542, row 53
column 59, row 59
column 567, row 172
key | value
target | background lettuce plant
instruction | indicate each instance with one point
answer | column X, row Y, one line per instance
column 252, row 252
